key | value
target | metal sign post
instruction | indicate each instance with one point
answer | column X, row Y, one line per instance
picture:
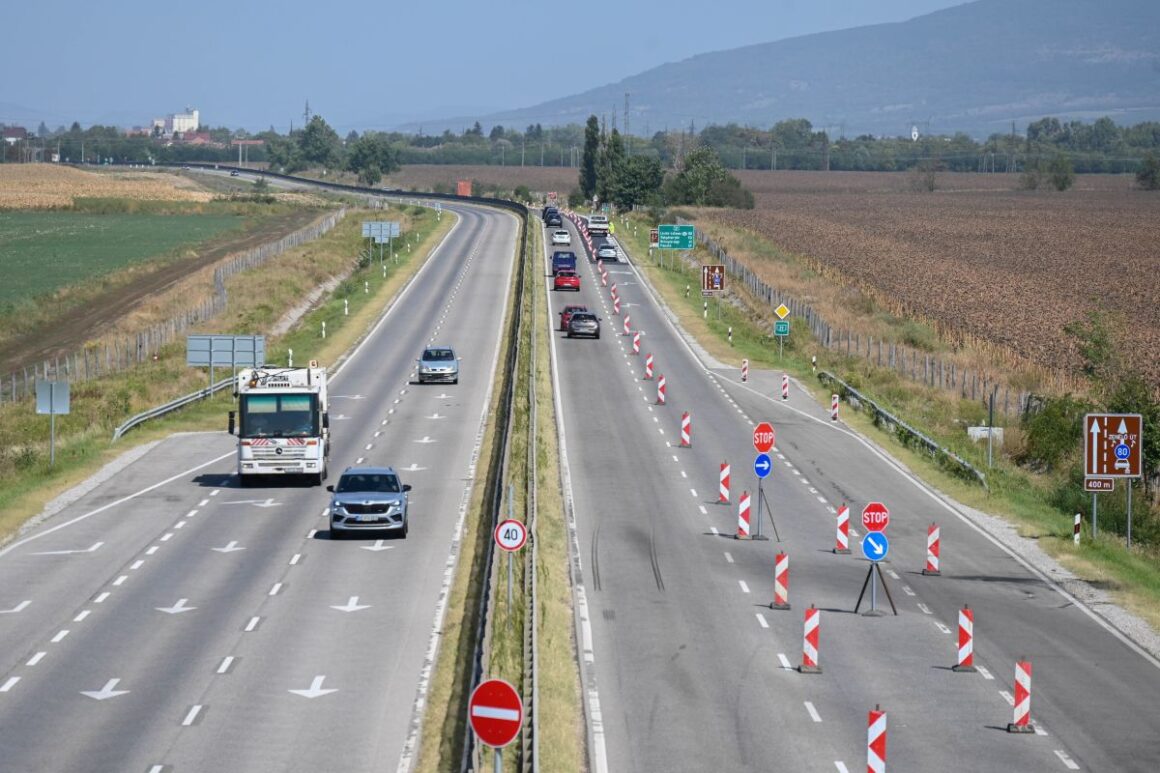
column 1113, row 448
column 52, row 398
column 875, row 548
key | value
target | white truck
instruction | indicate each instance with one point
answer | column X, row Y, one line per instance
column 598, row 225
column 281, row 422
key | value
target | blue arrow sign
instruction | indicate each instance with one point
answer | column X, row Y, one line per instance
column 875, row 546
column 762, row 465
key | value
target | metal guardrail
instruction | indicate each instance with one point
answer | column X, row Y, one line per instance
column 172, row 405
column 907, row 434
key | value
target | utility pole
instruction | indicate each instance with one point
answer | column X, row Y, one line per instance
column 306, row 114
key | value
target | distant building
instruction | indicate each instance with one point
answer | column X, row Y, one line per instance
column 177, row 123
column 14, row 134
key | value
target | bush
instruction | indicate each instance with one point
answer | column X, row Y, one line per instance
column 1061, row 173
column 1052, row 432
column 1148, row 177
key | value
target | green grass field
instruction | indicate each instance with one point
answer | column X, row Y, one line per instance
column 42, row 252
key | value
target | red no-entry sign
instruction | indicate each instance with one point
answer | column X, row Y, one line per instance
column 496, row 713
column 763, row 437
column 875, row 516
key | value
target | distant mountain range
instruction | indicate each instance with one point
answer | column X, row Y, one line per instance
column 974, row 68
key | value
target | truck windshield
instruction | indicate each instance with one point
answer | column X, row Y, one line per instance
column 279, row 416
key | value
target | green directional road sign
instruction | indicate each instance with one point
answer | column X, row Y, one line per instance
column 781, row 327
column 675, row 237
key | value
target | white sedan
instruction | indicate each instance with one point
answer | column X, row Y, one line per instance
column 607, row 251
column 561, row 237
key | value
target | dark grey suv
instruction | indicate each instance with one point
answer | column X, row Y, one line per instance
column 584, row 323
column 368, row 499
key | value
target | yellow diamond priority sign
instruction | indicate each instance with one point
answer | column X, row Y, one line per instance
column 781, row 311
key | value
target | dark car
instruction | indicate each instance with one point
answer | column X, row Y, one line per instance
column 553, row 219
column 368, row 499
column 549, row 211
column 584, row 323
column 567, row 312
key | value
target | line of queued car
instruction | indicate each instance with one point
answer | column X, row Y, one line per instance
column 575, row 319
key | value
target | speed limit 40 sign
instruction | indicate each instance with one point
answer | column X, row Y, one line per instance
column 511, row 535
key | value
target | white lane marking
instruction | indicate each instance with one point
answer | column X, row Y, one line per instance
column 250, row 626
column 203, row 503
column 121, row 580
column 1039, row 730
column 136, row 564
column 84, row 613
column 908, row 591
column 822, row 499
column 925, row 609
column 942, row 627
column 832, row 510
column 100, row 599
column 310, row 534
column 274, row 590
column 191, row 513
column 152, row 550
column 191, row 717
column 813, row 490
column 761, row 620
column 841, row 766
column 805, row 481
column 94, row 548
column 369, row 446
column 684, row 474
column 703, row 510
column 184, row 475
column 359, row 460
column 36, row 658
column 9, row 684
column 157, row 769
column 660, row 431
column 216, row 491
column 295, row 559
column 693, row 491
column 714, row 530
column 23, row 605
column 59, row 636
column 227, row 661
column 1007, row 697
column 728, row 556
column 167, row 536
column 893, row 574
column 378, row 432
column 656, row 419
column 676, row 458
column 986, row 674
column 784, row 661
column 813, row 712
column 179, row 525
column 1067, row 761
column 744, row 586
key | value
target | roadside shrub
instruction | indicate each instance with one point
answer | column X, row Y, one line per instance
column 1052, row 432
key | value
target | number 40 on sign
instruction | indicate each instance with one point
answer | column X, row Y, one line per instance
column 511, row 535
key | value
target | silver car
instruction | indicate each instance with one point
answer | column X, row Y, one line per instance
column 607, row 251
column 439, row 363
column 368, row 499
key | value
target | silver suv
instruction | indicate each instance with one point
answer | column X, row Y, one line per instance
column 368, row 499
column 584, row 323
column 438, row 363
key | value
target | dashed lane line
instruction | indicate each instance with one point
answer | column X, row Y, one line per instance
column 813, row 712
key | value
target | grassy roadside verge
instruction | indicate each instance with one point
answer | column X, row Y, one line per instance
column 257, row 299
column 1132, row 577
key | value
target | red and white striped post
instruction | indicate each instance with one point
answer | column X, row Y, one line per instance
column 603, row 278
column 661, row 389
column 833, row 407
column 636, row 342
column 842, row 535
column 784, row 386
column 612, row 289
column 615, row 305
column 876, row 741
column 780, row 582
column 1022, row 723
column 1075, row 529
column 745, row 370
column 648, row 367
column 627, row 324
column 686, row 431
column 932, row 551
column 600, row 265
column 723, row 488
column 813, row 626
column 966, row 641
column 743, row 516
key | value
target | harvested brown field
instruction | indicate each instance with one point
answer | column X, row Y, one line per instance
column 981, row 261
column 48, row 186
column 538, row 178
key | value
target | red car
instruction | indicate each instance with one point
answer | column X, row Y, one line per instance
column 566, row 280
column 566, row 314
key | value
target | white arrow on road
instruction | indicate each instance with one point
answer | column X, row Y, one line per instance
column 230, row 547
column 377, row 546
column 96, row 546
column 425, row 439
column 340, row 417
column 351, row 606
column 105, row 692
column 267, row 502
column 315, row 689
column 436, row 416
column 413, row 468
column 18, row 608
column 442, row 397
column 176, row 609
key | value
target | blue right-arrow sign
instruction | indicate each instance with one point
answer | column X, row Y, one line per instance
column 762, row 465
column 875, row 546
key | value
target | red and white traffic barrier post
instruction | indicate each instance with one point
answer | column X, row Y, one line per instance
column 1075, row 528
column 745, row 370
column 813, row 626
column 723, row 487
column 842, row 535
column 661, row 389
column 627, row 325
column 636, row 342
column 1022, row 723
column 613, row 289
column 784, row 386
column 966, row 641
column 686, row 431
column 615, row 305
column 743, row 516
column 876, row 741
column 932, row 551
column 603, row 278
column 648, row 367
column 833, row 407
column 600, row 265
column 781, row 582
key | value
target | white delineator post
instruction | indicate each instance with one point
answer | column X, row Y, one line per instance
column 813, row 626
column 1075, row 529
column 723, row 488
column 833, row 407
column 876, row 741
column 743, row 516
column 1022, row 723
column 966, row 641
column 932, row 551
column 780, row 582
column 842, row 535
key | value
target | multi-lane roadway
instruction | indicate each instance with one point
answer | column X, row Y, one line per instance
column 687, row 667
column 169, row 620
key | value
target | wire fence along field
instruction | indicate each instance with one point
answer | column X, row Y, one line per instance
column 122, row 353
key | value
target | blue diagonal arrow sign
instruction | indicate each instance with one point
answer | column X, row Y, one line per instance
column 762, row 465
column 875, row 546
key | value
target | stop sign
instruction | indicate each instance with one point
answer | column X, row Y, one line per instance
column 763, row 437
column 875, row 516
column 496, row 712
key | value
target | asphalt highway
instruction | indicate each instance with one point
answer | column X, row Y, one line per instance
column 690, row 668
column 170, row 620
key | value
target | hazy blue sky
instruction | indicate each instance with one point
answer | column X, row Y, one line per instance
column 366, row 64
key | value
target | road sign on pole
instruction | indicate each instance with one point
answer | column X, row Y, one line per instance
column 496, row 713
column 763, row 437
column 511, row 535
column 781, row 327
column 712, row 278
column 1099, row 485
column 781, row 311
column 875, row 516
column 675, row 237
column 762, row 465
column 875, row 546
column 1113, row 445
